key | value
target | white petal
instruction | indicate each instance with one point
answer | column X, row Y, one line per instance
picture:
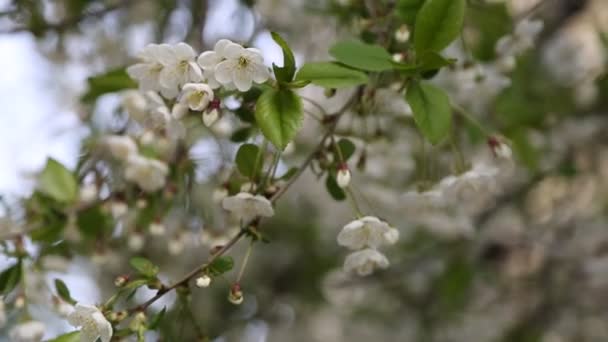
column 208, row 59
column 194, row 72
column 223, row 72
column 233, row 51
column 254, row 55
column 242, row 79
column 260, row 73
column 164, row 54
column 184, row 52
column 220, row 46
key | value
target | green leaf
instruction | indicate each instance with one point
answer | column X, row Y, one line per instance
column 453, row 285
column 333, row 188
column 408, row 10
column 241, row 134
column 93, row 222
column 220, row 266
column 285, row 73
column 9, row 278
column 109, row 82
column 362, row 56
column 331, row 75
column 279, row 115
column 438, row 23
column 63, row 291
column 144, row 266
column 57, row 182
column 135, row 284
column 73, row 336
column 347, row 148
column 248, row 161
column 432, row 112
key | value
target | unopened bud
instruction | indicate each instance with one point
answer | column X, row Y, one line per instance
column 402, row 34
column 499, row 148
column 138, row 322
column 210, row 117
column 136, row 242
column 236, row 295
column 175, row 246
column 203, row 281
column 157, row 228
column 121, row 280
column 343, row 176
column 20, row 302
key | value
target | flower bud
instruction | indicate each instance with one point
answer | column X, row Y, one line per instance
column 343, row 176
column 203, row 281
column 499, row 148
column 121, row 280
column 157, row 228
column 175, row 246
column 402, row 34
column 138, row 322
column 398, row 57
column 236, row 295
column 118, row 209
column 136, row 242
column 88, row 193
column 20, row 302
column 210, row 117
column 141, row 203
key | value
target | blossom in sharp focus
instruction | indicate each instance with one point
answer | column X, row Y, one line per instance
column 152, row 63
column 208, row 60
column 196, row 95
column 148, row 174
column 247, row 206
column 94, row 324
column 242, row 67
column 120, row 146
column 31, row 331
column 365, row 261
column 180, row 67
column 368, row 231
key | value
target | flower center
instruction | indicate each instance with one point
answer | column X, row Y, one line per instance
column 196, row 97
column 243, row 62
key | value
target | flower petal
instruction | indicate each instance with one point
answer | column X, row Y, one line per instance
column 223, row 72
column 242, row 79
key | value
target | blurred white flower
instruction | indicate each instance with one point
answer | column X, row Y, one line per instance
column 246, row 206
column 402, row 34
column 135, row 104
column 241, row 67
column 136, row 242
column 175, row 246
column 203, row 281
column 148, row 174
column 94, row 324
column 2, row 313
column 364, row 262
column 481, row 179
column 210, row 117
column 196, row 96
column 420, row 203
column 153, row 59
column 219, row 194
column 179, row 111
column 208, row 60
column 157, row 228
column 31, row 331
column 88, row 193
column 521, row 40
column 120, row 146
column 180, row 67
column 368, row 231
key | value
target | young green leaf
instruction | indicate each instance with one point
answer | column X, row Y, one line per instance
column 109, row 82
column 9, row 278
column 285, row 73
column 63, row 291
column 438, row 23
column 333, row 188
column 248, row 160
column 279, row 115
column 157, row 318
column 73, row 336
column 432, row 112
column 347, row 148
column 220, row 265
column 57, row 182
column 362, row 56
column 144, row 266
column 331, row 75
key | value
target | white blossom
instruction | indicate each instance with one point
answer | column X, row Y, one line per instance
column 148, row 174
column 368, row 231
column 153, row 58
column 219, row 194
column 180, row 67
column 365, row 261
column 208, row 60
column 402, row 34
column 135, row 104
column 179, row 111
column 247, row 206
column 521, row 40
column 203, row 281
column 94, row 324
column 241, row 67
column 88, row 193
column 120, row 146
column 136, row 242
column 196, row 96
column 480, row 180
column 343, row 177
column 31, row 331
column 418, row 203
column 157, row 228
column 175, row 246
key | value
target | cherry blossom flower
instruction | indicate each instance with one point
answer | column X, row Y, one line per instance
column 203, row 281
column 365, row 261
column 368, row 231
column 180, row 67
column 196, row 95
column 208, row 60
column 242, row 67
column 120, row 146
column 343, row 177
column 148, row 174
column 31, row 331
column 153, row 58
column 247, row 206
column 94, row 324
